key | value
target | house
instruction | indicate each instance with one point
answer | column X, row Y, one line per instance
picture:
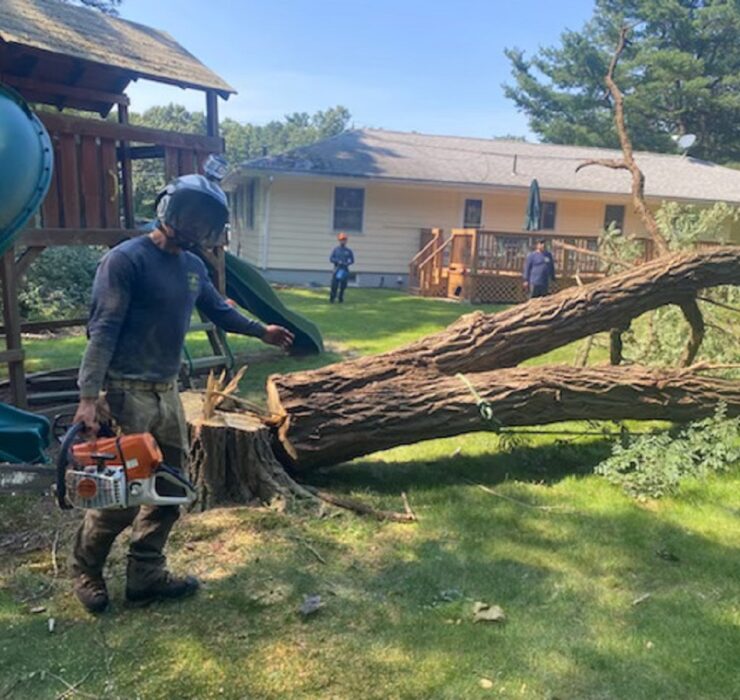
column 388, row 189
column 75, row 64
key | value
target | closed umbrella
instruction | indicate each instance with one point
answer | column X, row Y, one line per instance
column 532, row 221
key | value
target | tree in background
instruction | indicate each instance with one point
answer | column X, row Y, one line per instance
column 243, row 141
column 679, row 74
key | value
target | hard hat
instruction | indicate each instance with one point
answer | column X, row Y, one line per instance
column 342, row 236
column 195, row 208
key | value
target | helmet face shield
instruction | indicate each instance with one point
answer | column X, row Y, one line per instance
column 196, row 218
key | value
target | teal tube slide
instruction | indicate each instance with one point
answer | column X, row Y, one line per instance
column 23, row 436
column 248, row 288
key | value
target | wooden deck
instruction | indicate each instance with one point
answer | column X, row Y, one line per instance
column 486, row 266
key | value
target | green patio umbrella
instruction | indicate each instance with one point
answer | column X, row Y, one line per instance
column 532, row 221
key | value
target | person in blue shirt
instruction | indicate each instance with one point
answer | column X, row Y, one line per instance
column 539, row 270
column 143, row 297
column 341, row 257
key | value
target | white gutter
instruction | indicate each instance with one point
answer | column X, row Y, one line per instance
column 264, row 253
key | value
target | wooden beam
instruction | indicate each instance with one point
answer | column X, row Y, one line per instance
column 65, row 123
column 126, row 176
column 60, row 90
column 16, row 372
column 212, row 113
column 8, row 356
column 26, row 477
column 68, row 236
column 41, row 326
column 142, row 152
column 26, row 258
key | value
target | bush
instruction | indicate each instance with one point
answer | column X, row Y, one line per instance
column 59, row 283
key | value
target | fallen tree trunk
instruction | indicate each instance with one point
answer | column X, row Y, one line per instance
column 478, row 342
column 323, row 427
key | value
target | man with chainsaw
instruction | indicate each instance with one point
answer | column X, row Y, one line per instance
column 144, row 294
column 341, row 257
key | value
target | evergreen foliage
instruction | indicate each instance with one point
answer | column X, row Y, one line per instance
column 679, row 73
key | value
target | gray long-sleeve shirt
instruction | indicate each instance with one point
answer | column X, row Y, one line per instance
column 142, row 301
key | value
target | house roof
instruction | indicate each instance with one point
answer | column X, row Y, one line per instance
column 422, row 158
column 91, row 36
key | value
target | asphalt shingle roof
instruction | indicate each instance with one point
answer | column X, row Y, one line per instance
column 90, row 35
column 372, row 153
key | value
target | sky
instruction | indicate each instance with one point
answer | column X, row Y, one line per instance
column 429, row 66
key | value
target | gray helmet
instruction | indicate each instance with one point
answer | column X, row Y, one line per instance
column 196, row 209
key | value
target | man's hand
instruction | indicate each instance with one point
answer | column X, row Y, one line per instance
column 87, row 413
column 277, row 335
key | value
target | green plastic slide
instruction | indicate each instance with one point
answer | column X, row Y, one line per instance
column 248, row 288
column 23, row 436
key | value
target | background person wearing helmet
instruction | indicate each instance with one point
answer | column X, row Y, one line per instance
column 342, row 257
column 144, row 294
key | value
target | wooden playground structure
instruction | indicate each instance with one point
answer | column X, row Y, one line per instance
column 482, row 266
column 60, row 57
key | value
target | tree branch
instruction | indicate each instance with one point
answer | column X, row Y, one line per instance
column 692, row 314
column 606, row 162
column 638, row 178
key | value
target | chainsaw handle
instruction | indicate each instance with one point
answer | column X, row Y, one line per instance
column 63, row 462
column 174, row 477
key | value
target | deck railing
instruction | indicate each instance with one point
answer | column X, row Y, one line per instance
column 427, row 268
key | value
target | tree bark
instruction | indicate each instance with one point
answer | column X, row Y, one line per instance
column 324, row 427
column 692, row 314
column 232, row 461
column 479, row 342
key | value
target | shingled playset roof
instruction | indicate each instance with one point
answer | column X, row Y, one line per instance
column 88, row 35
column 421, row 158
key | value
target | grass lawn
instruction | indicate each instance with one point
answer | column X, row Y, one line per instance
column 604, row 597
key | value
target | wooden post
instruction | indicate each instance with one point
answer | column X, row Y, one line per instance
column 11, row 315
column 126, row 178
column 211, row 113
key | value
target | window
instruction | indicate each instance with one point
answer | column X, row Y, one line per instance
column 547, row 216
column 349, row 205
column 473, row 213
column 614, row 214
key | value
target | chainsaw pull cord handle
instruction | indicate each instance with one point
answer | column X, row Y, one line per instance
column 63, row 462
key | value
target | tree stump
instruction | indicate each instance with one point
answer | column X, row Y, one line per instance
column 231, row 460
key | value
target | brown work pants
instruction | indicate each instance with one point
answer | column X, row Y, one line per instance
column 136, row 410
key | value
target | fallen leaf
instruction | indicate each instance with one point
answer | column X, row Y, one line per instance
column 667, row 555
column 485, row 683
column 38, row 609
column 311, row 604
column 483, row 612
column 450, row 595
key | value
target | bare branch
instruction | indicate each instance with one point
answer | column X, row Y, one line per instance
column 606, row 162
column 638, row 178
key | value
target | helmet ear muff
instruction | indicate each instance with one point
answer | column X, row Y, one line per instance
column 162, row 202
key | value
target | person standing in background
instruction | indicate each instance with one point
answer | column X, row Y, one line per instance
column 539, row 270
column 341, row 257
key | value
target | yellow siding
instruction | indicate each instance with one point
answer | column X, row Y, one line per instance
column 301, row 236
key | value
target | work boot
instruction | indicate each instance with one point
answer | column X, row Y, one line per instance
column 92, row 592
column 167, row 587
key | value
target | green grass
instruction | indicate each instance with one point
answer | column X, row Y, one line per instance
column 565, row 554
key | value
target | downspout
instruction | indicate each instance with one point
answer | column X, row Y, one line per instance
column 264, row 253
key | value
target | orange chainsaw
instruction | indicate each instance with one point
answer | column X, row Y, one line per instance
column 116, row 472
